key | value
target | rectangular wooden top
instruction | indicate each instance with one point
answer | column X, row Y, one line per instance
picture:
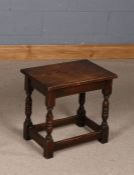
column 68, row 74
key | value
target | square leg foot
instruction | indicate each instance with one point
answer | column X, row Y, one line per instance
column 48, row 149
column 48, row 156
column 104, row 136
column 26, row 134
column 103, row 141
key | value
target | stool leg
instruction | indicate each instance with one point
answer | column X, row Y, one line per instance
column 28, row 110
column 49, row 143
column 80, row 119
column 105, row 114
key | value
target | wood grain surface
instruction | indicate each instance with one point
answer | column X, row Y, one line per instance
column 46, row 52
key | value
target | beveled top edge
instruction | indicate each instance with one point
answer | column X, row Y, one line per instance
column 110, row 76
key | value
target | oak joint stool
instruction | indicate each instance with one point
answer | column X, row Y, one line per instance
column 59, row 80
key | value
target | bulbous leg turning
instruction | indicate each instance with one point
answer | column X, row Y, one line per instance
column 80, row 119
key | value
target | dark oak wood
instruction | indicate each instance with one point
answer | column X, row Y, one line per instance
column 69, row 74
column 60, row 80
column 56, row 123
column 91, row 124
column 105, row 112
column 76, row 140
column 81, row 113
column 36, row 136
column 49, row 143
column 28, row 109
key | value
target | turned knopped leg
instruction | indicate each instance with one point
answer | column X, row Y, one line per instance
column 28, row 109
column 49, row 143
column 81, row 113
column 105, row 112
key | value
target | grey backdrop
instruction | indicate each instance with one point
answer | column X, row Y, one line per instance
column 66, row 21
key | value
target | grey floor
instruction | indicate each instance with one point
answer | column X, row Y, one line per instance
column 18, row 157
